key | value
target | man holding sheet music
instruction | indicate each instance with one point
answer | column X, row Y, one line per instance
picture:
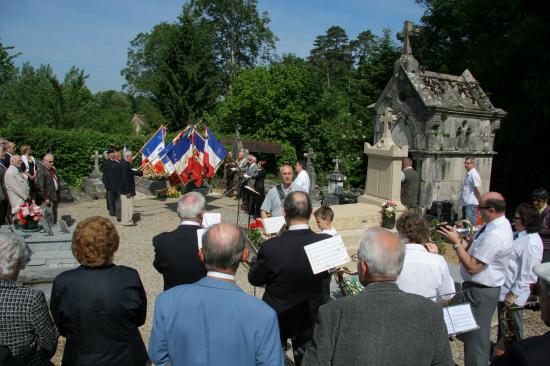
column 483, row 263
column 383, row 325
column 273, row 202
column 291, row 288
column 176, row 252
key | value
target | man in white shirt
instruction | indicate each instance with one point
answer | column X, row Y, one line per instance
column 483, row 264
column 470, row 194
column 520, row 274
column 302, row 178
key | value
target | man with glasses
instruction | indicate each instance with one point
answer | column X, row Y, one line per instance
column 47, row 186
column 470, row 194
column 483, row 263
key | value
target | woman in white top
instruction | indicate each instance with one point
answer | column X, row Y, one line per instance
column 526, row 253
column 30, row 166
column 424, row 272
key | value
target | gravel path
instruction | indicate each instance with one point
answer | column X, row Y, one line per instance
column 157, row 216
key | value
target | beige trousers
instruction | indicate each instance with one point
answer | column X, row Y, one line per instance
column 127, row 209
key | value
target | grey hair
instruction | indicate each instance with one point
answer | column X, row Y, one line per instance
column 381, row 258
column 250, row 156
column 191, row 205
column 48, row 155
column 127, row 153
column 223, row 246
column 13, row 250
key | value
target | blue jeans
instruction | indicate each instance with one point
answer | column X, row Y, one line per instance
column 469, row 213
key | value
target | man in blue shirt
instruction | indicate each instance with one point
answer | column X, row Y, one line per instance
column 212, row 321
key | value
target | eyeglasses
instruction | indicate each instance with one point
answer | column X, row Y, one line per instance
column 483, row 207
column 49, row 161
column 355, row 258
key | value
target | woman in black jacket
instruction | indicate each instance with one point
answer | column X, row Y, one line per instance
column 259, row 187
column 99, row 306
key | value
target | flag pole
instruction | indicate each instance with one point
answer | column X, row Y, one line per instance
column 150, row 138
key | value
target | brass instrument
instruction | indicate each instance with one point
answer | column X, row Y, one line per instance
column 511, row 329
column 349, row 286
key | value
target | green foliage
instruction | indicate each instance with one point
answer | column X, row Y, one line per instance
column 72, row 149
column 288, row 155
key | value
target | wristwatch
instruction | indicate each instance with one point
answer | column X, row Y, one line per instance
column 455, row 246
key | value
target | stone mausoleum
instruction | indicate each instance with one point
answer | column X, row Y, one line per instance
column 441, row 118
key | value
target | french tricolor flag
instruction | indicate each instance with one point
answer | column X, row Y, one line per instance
column 214, row 153
column 154, row 146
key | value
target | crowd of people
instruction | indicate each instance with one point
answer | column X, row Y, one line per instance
column 204, row 318
column 23, row 180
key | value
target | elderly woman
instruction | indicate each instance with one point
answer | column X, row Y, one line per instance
column 520, row 275
column 99, row 306
column 26, row 327
column 424, row 273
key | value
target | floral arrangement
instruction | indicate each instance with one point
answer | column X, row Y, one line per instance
column 29, row 212
column 254, row 233
column 389, row 208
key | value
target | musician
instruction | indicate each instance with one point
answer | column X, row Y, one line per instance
column 229, row 176
column 526, row 253
column 533, row 351
column 239, row 169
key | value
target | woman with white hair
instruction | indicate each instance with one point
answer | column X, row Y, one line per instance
column 26, row 327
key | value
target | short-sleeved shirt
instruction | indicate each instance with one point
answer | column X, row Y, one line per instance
column 302, row 179
column 272, row 203
column 471, row 181
column 492, row 247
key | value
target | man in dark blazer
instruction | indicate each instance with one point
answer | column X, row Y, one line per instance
column 47, row 185
column 291, row 288
column 107, row 178
column 533, row 351
column 383, row 325
column 176, row 252
column 410, row 184
column 125, row 186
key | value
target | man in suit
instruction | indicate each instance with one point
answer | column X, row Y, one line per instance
column 16, row 184
column 47, row 186
column 212, row 321
column 126, row 188
column 383, row 325
column 282, row 266
column 533, row 351
column 110, row 195
column 250, row 173
column 176, row 252
column 410, row 184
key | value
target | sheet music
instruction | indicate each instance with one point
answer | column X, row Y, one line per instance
column 200, row 233
column 459, row 319
column 211, row 218
column 326, row 254
column 272, row 225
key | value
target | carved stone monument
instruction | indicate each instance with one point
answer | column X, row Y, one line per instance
column 384, row 168
column 441, row 119
column 93, row 185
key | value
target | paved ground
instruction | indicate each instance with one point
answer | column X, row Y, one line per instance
column 156, row 216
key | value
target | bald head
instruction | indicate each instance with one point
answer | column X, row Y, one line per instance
column 297, row 207
column 286, row 173
column 223, row 247
column 492, row 205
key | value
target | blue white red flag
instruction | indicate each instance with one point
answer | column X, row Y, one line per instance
column 214, row 153
column 154, row 146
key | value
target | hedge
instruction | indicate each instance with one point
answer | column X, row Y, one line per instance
column 72, row 149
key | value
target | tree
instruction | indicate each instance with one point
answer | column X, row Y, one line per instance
column 504, row 45
column 174, row 66
column 241, row 35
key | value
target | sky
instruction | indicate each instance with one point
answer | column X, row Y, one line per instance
column 94, row 35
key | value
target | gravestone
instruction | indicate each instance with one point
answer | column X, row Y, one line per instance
column 384, row 167
column 441, row 118
column 93, row 185
column 310, row 169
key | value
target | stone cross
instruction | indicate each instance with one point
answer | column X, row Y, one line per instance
column 408, row 31
column 310, row 156
column 336, row 160
column 96, row 173
column 387, row 120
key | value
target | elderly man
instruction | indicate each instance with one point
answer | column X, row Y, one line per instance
column 47, row 186
column 240, row 170
column 176, row 252
column 533, row 351
column 470, row 194
column 213, row 322
column 107, row 179
column 483, row 264
column 302, row 179
column 273, row 202
column 410, row 184
column 9, row 152
column 282, row 266
column 125, row 186
column 383, row 325
column 16, row 184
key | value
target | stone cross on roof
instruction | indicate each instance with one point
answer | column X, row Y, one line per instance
column 96, row 173
column 336, row 160
column 408, row 31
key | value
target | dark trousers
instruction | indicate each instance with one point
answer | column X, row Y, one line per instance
column 477, row 345
column 110, row 197
column 546, row 255
column 54, row 205
column 118, row 207
column 4, row 210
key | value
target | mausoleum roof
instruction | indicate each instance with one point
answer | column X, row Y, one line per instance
column 450, row 92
